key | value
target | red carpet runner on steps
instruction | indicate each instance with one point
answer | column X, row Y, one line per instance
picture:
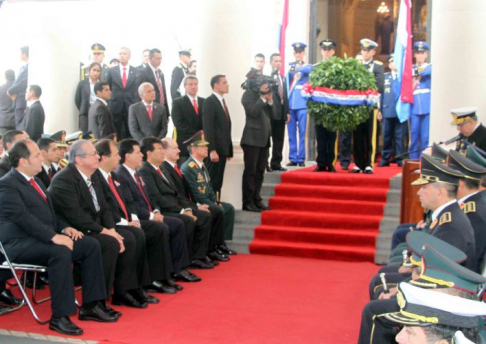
column 325, row 215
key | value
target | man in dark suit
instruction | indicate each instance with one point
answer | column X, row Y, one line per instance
column 123, row 85
column 8, row 139
column 33, row 121
column 147, row 118
column 179, row 73
column 17, row 90
column 136, row 194
column 255, row 141
column 217, row 128
column 164, row 196
column 7, row 113
column 49, row 152
column 145, row 59
column 187, row 115
column 281, row 116
column 32, row 234
column 100, row 118
column 80, row 201
column 151, row 73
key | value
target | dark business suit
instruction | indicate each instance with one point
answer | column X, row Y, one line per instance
column 33, row 121
column 178, row 74
column 147, row 75
column 475, row 209
column 122, row 97
column 278, row 122
column 164, row 196
column 74, row 204
column 217, row 128
column 478, row 137
column 7, row 113
column 81, row 98
column 45, row 177
column 255, row 142
column 186, row 121
column 140, row 124
column 101, row 122
column 4, row 165
column 19, row 88
column 133, row 194
column 28, row 225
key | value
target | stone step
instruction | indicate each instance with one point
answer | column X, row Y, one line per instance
column 272, row 178
column 244, row 232
column 394, row 196
column 247, row 217
column 240, row 246
column 388, row 224
column 396, row 183
column 268, row 189
column 392, row 210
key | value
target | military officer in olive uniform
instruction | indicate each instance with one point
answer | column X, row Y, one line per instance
column 179, row 73
column 197, row 176
column 98, row 54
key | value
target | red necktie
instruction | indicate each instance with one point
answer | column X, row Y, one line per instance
column 226, row 111
column 178, row 170
column 139, row 184
column 149, row 110
column 51, row 174
column 124, row 78
column 159, row 172
column 195, row 106
column 159, row 86
column 117, row 196
column 38, row 189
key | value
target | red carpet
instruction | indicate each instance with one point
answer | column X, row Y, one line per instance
column 325, row 215
column 252, row 299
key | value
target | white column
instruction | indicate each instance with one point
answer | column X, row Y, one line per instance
column 459, row 76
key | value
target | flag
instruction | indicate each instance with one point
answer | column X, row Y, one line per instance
column 403, row 60
column 283, row 29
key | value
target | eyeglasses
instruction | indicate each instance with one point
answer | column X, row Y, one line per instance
column 463, row 123
column 91, row 154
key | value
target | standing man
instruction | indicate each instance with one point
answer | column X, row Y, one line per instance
column 100, row 119
column 123, row 85
column 17, row 90
column 298, row 108
column 147, row 118
column 48, row 150
column 7, row 112
column 393, row 130
column 187, row 115
column 255, row 142
column 97, row 55
column 259, row 63
column 151, row 73
column 33, row 121
column 281, row 115
column 364, row 136
column 179, row 73
column 326, row 140
column 145, row 59
column 420, row 117
column 217, row 128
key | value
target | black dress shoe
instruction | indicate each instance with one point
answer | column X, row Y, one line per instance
column 176, row 286
column 7, row 298
column 161, row 287
column 211, row 262
column 215, row 255
column 96, row 313
column 331, row 169
column 127, row 300
column 262, row 206
column 186, row 276
column 292, row 164
column 320, row 169
column 142, row 296
column 109, row 310
column 383, row 163
column 279, row 169
column 64, row 325
column 199, row 264
column 252, row 207
column 301, row 164
column 226, row 250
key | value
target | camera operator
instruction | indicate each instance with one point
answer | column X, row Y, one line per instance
column 255, row 141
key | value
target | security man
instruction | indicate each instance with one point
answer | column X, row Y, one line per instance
column 420, row 117
column 98, row 54
column 179, row 73
column 297, row 108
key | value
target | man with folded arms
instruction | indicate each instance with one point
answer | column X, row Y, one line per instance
column 32, row 234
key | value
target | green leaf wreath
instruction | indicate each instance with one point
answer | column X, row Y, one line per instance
column 347, row 74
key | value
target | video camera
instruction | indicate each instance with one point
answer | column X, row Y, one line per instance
column 255, row 80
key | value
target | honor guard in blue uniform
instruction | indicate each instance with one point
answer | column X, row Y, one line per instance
column 392, row 129
column 297, row 108
column 179, row 73
column 98, row 54
column 420, row 116
column 364, row 136
column 326, row 140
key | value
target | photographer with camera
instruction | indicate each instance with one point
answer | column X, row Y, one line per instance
column 255, row 141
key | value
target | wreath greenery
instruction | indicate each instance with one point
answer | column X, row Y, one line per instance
column 347, row 74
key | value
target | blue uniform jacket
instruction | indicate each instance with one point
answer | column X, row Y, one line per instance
column 390, row 97
column 296, row 101
column 421, row 94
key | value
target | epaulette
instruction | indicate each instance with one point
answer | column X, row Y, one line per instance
column 192, row 164
column 179, row 66
column 378, row 62
column 470, row 207
column 445, row 218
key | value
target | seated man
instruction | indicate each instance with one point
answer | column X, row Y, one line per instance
column 137, row 194
column 164, row 195
column 49, row 152
column 197, row 177
column 32, row 234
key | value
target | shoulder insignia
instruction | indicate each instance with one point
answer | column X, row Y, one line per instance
column 433, row 224
column 470, row 207
column 445, row 218
column 179, row 66
column 192, row 164
column 378, row 62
